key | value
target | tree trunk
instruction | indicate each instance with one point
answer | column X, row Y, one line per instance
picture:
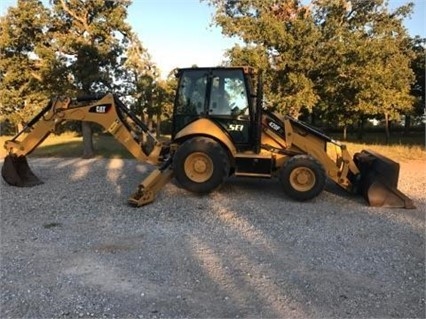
column 158, row 127
column 407, row 125
column 387, row 128
column 88, row 150
column 313, row 118
column 360, row 132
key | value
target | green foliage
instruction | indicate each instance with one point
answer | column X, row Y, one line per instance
column 342, row 60
column 71, row 47
column 25, row 60
column 143, row 74
column 366, row 69
column 91, row 37
column 418, row 66
column 279, row 38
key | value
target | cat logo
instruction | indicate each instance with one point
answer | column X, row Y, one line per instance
column 103, row 108
column 100, row 108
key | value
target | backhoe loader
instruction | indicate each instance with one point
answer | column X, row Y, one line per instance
column 220, row 128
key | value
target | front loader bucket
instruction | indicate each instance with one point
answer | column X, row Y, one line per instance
column 379, row 180
column 16, row 172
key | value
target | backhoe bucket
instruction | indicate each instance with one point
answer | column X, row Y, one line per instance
column 16, row 172
column 379, row 181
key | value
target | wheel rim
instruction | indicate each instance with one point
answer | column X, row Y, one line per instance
column 302, row 179
column 198, row 167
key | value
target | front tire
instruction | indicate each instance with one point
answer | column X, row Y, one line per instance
column 302, row 177
column 201, row 165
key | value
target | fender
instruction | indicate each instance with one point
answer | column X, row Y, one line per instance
column 208, row 128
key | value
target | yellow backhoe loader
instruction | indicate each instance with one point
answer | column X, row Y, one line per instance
column 220, row 128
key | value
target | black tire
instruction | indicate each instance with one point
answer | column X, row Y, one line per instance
column 302, row 177
column 201, row 165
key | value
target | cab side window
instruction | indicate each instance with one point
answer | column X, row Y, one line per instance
column 228, row 94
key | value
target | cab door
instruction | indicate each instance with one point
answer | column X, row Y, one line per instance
column 190, row 100
column 228, row 105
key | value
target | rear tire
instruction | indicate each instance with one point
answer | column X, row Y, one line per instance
column 201, row 165
column 302, row 177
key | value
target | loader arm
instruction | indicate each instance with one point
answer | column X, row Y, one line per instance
column 300, row 136
column 367, row 173
column 112, row 115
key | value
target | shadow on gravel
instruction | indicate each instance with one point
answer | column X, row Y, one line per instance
column 73, row 248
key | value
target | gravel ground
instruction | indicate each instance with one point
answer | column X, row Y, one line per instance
column 72, row 248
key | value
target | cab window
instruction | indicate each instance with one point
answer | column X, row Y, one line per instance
column 228, row 94
column 192, row 93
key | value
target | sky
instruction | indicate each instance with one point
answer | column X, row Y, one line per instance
column 179, row 33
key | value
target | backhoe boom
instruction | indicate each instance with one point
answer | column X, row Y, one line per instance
column 109, row 112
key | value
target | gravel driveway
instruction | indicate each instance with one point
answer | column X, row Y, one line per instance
column 72, row 248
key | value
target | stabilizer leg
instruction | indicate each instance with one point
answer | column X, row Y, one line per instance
column 151, row 185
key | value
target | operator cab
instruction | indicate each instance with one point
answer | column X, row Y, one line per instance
column 223, row 95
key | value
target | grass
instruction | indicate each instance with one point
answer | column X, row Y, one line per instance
column 399, row 148
column 378, row 138
column 398, row 153
column 70, row 145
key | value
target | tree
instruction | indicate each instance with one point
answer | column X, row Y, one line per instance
column 364, row 64
column 418, row 86
column 92, row 36
column 29, row 70
column 143, row 78
column 152, row 97
column 164, row 99
column 141, row 72
column 280, row 38
column 342, row 60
